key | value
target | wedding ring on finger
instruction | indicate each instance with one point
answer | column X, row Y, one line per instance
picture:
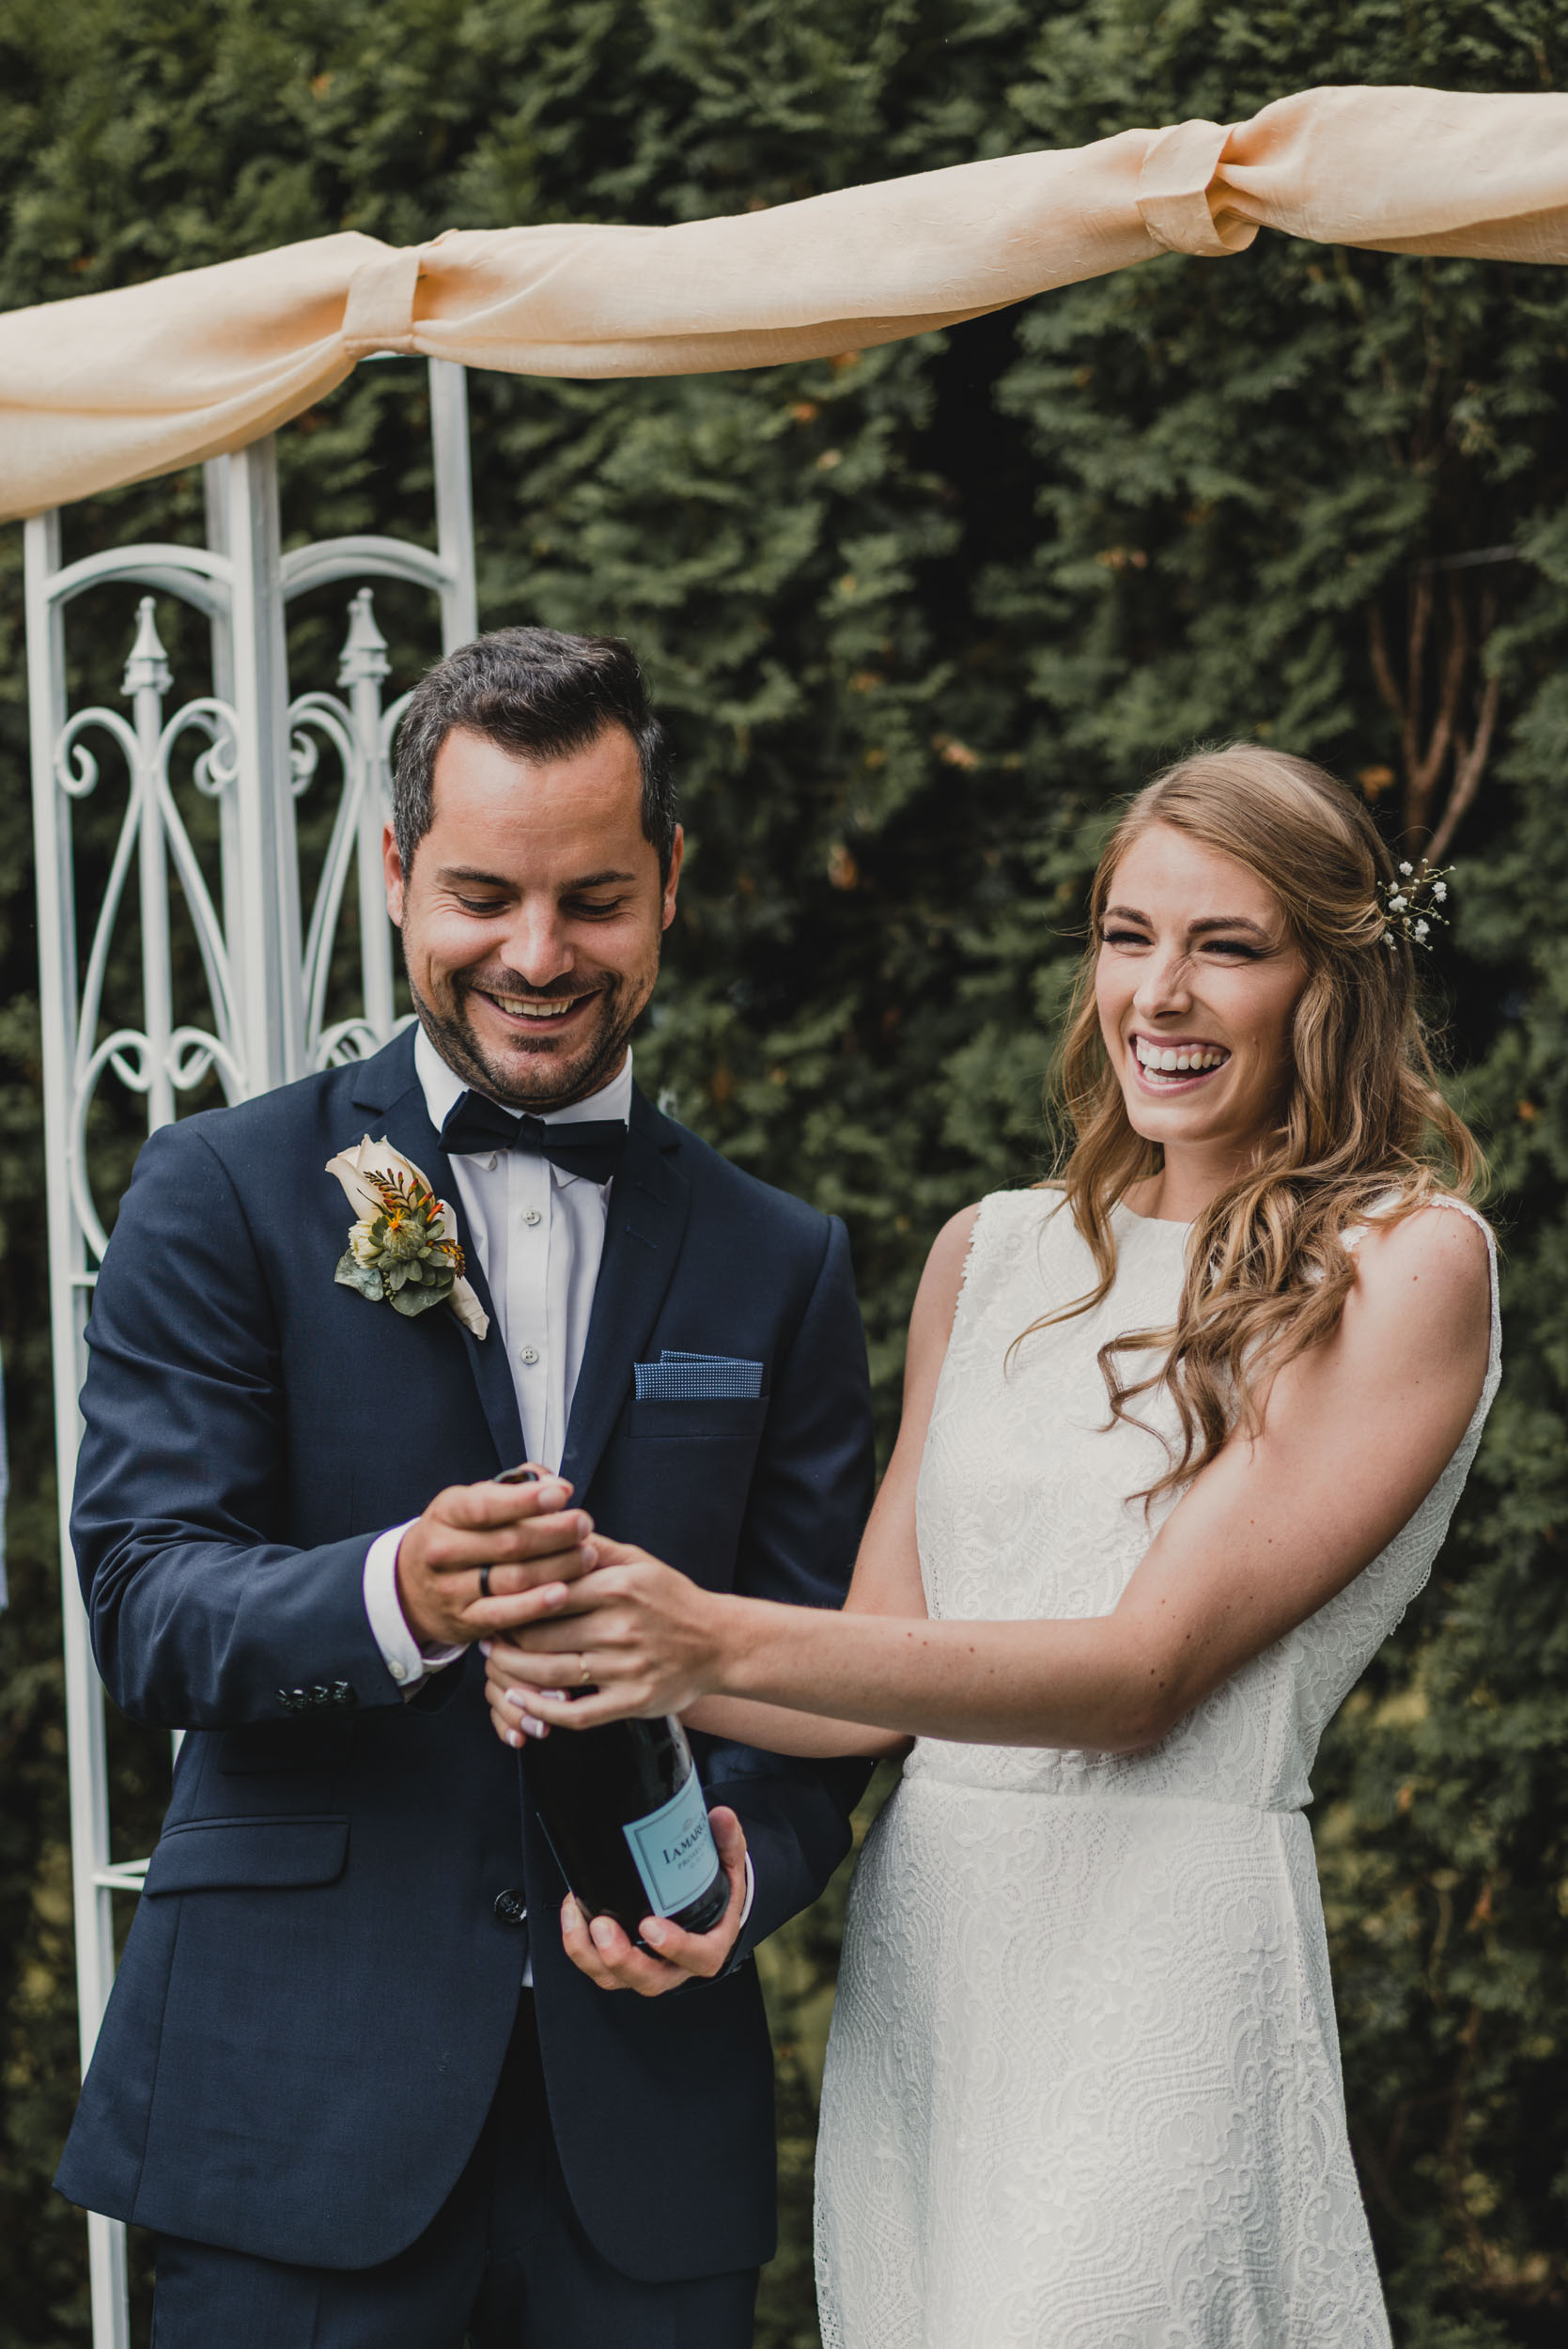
column 484, row 1581
column 585, row 1678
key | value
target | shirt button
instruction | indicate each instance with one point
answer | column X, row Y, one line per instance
column 530, row 1355
column 533, row 1216
column 398, row 1672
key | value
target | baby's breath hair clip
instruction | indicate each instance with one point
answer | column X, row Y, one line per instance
column 1410, row 903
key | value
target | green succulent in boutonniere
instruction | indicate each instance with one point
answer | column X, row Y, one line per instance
column 404, row 1248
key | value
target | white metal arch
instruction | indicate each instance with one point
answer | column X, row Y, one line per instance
column 263, row 974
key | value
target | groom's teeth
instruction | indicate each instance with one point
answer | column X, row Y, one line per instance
column 522, row 1008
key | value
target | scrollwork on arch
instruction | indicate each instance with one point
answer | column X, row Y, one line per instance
column 158, row 1059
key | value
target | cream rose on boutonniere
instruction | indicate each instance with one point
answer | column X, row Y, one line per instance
column 404, row 1247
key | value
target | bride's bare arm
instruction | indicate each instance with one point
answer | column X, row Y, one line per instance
column 781, row 1729
column 1354, row 1435
column 887, row 1568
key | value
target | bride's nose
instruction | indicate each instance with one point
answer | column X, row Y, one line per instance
column 1165, row 984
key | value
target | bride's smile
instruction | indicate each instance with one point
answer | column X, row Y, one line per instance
column 1196, row 983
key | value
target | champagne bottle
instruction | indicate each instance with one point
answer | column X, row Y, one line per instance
column 624, row 1812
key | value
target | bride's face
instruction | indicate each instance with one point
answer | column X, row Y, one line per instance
column 1196, row 980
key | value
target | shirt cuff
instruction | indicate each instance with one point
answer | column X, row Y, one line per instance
column 405, row 1660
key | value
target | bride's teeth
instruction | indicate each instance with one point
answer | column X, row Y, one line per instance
column 1172, row 1060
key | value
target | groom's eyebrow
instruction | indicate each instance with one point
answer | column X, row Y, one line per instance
column 477, row 878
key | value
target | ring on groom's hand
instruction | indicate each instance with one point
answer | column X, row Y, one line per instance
column 585, row 1678
column 485, row 1582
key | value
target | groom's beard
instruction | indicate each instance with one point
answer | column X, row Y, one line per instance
column 536, row 1078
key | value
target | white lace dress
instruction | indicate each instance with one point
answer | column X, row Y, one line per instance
column 1084, row 2085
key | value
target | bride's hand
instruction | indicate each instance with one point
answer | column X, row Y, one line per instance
column 509, row 1696
column 641, row 1638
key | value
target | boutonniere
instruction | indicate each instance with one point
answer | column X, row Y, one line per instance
column 404, row 1247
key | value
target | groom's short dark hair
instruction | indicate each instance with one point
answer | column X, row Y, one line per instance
column 542, row 694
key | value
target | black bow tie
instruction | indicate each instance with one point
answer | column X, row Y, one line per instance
column 591, row 1148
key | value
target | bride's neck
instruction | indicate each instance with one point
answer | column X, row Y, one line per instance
column 1188, row 1183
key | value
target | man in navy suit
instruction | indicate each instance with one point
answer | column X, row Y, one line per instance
column 370, row 2079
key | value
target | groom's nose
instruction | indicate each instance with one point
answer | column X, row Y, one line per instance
column 536, row 945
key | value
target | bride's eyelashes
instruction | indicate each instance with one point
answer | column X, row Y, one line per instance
column 1224, row 949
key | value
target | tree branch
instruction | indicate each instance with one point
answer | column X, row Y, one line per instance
column 1423, row 771
column 1471, row 767
column 1382, row 669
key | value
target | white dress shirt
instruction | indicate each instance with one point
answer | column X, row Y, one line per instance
column 539, row 1236
column 538, row 1233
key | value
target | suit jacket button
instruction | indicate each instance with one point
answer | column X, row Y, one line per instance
column 342, row 1693
column 292, row 1700
column 510, row 1906
column 320, row 1694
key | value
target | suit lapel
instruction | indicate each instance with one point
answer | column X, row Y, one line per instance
column 390, row 1089
column 649, row 1201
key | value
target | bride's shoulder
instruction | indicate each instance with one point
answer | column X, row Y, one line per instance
column 949, row 1256
column 1432, row 1267
column 997, row 1217
column 969, row 1239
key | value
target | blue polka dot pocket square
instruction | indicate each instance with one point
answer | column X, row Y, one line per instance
column 697, row 1377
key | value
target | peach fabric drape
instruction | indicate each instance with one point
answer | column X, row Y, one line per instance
column 114, row 387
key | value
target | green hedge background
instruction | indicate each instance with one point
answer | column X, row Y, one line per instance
column 917, row 617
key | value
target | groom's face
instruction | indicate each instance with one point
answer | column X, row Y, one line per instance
column 531, row 915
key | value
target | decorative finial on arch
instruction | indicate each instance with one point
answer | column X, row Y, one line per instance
column 364, row 653
column 148, row 664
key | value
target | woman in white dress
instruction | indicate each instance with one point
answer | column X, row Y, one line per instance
column 1181, row 1438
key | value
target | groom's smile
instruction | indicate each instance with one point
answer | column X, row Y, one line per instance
column 531, row 915
column 551, row 1016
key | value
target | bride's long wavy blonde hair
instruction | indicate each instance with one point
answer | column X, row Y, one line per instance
column 1363, row 1122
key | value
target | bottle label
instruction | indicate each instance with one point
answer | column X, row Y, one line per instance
column 673, row 1849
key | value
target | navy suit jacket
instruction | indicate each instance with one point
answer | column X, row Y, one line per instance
column 309, row 2020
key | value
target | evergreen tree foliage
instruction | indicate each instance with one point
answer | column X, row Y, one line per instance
column 917, row 617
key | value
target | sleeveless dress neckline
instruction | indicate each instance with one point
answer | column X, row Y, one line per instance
column 1160, row 1223
column 1083, row 2082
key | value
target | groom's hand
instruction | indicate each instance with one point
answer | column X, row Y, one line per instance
column 607, row 1955
column 521, row 1540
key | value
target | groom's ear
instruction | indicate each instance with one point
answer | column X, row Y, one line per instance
column 672, row 878
column 392, row 865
